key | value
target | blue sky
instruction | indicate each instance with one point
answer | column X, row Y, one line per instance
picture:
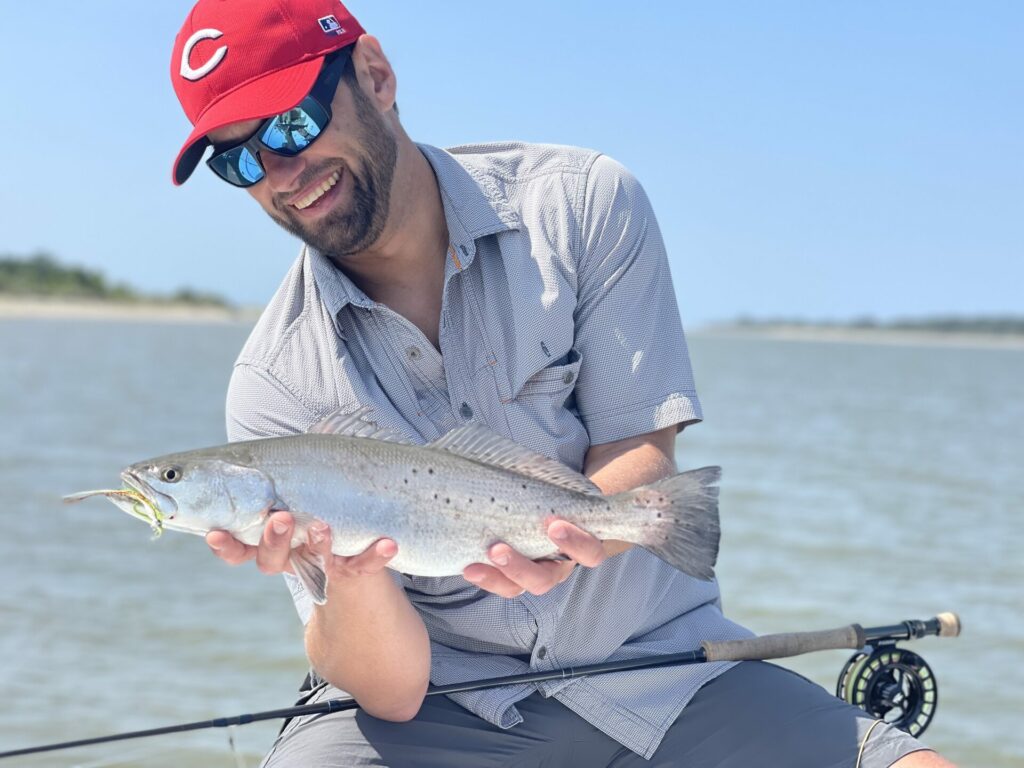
column 821, row 160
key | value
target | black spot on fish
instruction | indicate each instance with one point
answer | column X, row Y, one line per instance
column 430, row 471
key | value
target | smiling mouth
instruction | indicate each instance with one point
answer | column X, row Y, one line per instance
column 319, row 191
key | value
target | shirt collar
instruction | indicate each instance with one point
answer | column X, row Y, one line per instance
column 474, row 207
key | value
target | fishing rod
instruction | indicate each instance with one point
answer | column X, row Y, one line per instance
column 890, row 683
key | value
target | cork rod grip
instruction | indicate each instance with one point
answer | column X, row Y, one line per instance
column 786, row 644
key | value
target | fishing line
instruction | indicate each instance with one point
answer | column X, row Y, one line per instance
column 864, row 742
column 888, row 695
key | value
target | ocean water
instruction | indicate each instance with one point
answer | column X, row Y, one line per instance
column 862, row 483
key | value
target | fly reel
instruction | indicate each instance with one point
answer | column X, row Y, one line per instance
column 891, row 684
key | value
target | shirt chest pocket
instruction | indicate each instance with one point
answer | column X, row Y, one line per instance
column 556, row 381
column 543, row 414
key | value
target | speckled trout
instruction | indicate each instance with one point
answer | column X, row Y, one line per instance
column 444, row 503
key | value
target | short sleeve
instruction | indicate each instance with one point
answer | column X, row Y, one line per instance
column 259, row 405
column 635, row 372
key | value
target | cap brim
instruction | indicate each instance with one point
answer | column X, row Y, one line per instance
column 267, row 96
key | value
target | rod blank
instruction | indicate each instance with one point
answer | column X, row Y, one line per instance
column 764, row 647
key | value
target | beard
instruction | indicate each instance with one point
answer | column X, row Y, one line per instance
column 353, row 230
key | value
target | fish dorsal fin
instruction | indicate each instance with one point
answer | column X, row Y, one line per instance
column 357, row 423
column 479, row 443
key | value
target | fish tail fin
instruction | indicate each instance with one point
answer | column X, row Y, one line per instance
column 679, row 520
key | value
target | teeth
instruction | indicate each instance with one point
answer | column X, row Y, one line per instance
column 319, row 192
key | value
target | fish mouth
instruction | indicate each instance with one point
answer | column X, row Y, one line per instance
column 160, row 506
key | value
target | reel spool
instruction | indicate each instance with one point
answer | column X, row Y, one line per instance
column 891, row 684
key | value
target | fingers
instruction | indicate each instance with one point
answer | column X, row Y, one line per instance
column 576, row 543
column 515, row 574
column 228, row 548
column 276, row 545
column 371, row 560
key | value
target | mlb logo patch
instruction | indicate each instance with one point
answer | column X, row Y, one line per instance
column 330, row 26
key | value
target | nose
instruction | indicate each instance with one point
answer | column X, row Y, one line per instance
column 282, row 172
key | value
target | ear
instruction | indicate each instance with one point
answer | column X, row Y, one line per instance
column 374, row 73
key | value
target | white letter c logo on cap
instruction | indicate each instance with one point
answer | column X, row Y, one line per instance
column 203, row 34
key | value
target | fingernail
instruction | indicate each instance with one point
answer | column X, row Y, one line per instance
column 386, row 549
column 214, row 547
column 559, row 533
column 500, row 559
column 474, row 578
column 280, row 528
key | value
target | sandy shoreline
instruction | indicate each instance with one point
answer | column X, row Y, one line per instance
column 19, row 308
column 890, row 336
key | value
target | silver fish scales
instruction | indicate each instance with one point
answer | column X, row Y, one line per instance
column 444, row 503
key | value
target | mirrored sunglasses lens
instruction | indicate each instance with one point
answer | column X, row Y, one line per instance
column 249, row 167
column 292, row 131
column 238, row 166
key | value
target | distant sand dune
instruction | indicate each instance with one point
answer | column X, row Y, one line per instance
column 84, row 309
column 900, row 337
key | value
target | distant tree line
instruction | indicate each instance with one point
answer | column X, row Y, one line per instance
column 42, row 275
column 1002, row 324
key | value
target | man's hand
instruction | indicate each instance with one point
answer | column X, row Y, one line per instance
column 613, row 467
column 513, row 574
column 275, row 548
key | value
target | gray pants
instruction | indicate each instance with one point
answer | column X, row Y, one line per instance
column 755, row 714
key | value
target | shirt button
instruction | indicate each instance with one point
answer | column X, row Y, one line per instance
column 413, row 353
column 466, row 411
column 568, row 376
column 542, row 652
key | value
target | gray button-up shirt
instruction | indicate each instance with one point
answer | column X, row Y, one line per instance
column 559, row 329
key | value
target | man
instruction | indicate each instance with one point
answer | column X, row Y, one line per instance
column 522, row 286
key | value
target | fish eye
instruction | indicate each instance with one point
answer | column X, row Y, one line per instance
column 171, row 474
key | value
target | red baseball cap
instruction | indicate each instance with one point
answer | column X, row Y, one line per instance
column 240, row 60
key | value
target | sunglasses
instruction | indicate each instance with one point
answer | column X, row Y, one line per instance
column 286, row 134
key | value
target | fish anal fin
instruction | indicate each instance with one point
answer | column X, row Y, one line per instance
column 309, row 568
column 357, row 423
column 479, row 443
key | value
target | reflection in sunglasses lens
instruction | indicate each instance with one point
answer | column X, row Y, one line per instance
column 291, row 132
column 249, row 168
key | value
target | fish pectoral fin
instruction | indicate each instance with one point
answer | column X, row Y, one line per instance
column 310, row 570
